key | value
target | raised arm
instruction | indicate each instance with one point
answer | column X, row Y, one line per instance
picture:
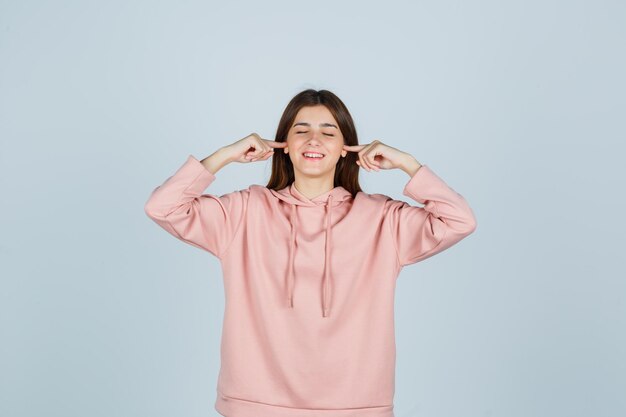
column 418, row 232
column 206, row 221
column 421, row 232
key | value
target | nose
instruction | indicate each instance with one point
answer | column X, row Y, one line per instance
column 314, row 137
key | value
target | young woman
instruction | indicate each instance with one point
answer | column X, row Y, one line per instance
column 310, row 261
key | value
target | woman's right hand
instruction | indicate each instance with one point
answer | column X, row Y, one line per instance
column 252, row 148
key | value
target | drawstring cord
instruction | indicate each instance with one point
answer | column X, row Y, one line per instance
column 326, row 284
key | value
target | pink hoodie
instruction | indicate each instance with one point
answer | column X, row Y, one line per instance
column 309, row 283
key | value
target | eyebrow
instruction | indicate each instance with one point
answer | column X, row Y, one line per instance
column 321, row 125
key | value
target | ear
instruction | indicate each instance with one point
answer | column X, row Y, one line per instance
column 286, row 149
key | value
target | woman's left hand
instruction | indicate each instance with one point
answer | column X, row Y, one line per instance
column 376, row 155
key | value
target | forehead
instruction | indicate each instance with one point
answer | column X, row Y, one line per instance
column 315, row 115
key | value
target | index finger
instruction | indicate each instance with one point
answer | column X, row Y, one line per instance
column 274, row 144
column 354, row 148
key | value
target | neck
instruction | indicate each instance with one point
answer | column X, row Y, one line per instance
column 313, row 187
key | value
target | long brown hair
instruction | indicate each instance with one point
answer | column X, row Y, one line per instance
column 346, row 171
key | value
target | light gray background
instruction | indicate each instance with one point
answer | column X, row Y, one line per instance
column 519, row 106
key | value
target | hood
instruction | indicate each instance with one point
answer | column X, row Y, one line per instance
column 328, row 200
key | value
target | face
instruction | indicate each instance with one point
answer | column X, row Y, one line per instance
column 315, row 130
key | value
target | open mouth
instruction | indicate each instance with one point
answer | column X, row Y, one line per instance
column 313, row 156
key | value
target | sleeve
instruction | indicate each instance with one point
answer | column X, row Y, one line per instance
column 421, row 232
column 205, row 221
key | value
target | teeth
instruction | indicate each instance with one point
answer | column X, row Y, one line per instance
column 313, row 155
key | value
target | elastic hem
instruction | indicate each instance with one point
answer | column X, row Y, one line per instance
column 235, row 407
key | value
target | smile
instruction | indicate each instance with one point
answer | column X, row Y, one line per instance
column 312, row 155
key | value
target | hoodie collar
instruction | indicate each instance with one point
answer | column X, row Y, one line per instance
column 290, row 194
column 328, row 200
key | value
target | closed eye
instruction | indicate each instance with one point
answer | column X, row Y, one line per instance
column 327, row 134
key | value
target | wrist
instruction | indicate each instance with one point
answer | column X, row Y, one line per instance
column 410, row 165
column 217, row 160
